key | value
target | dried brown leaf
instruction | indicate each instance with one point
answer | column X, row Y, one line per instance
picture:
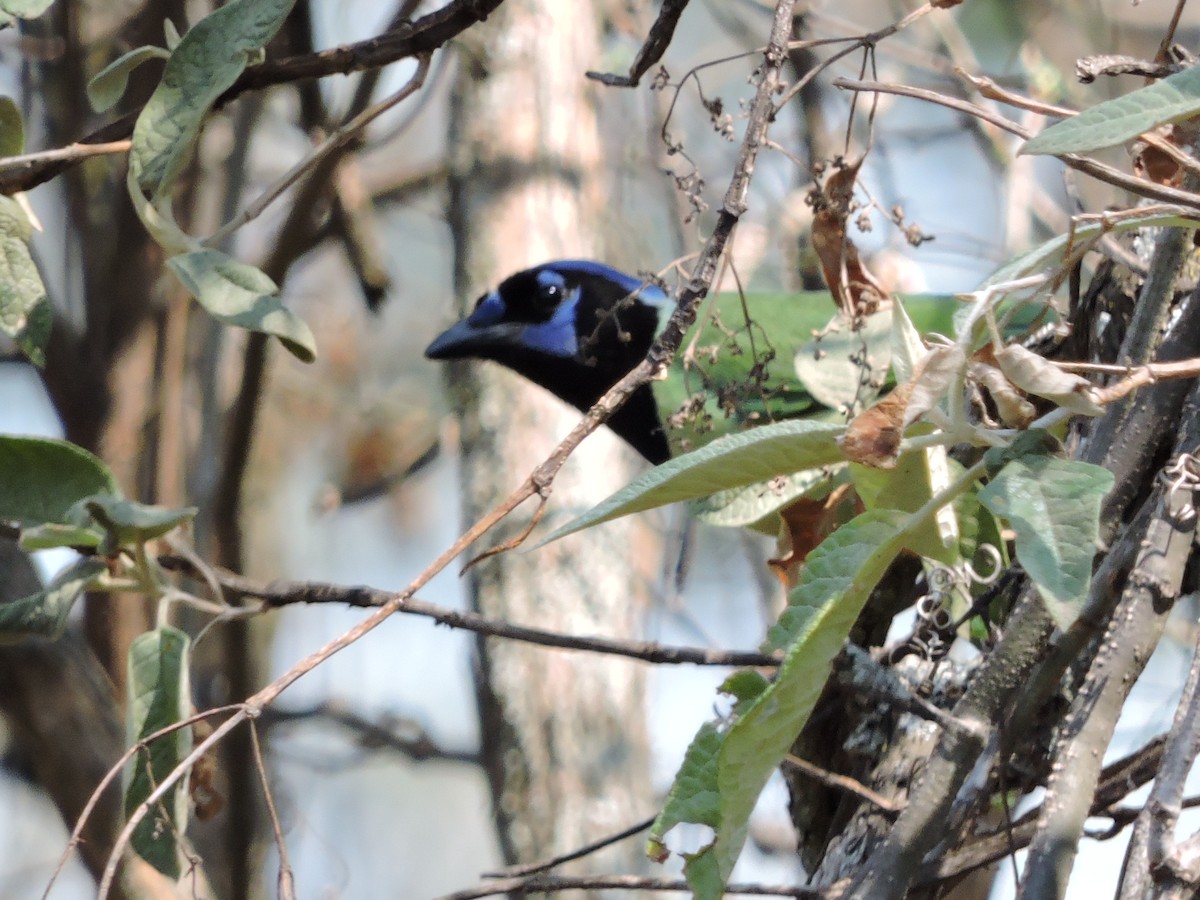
column 873, row 436
column 1040, row 377
column 1014, row 410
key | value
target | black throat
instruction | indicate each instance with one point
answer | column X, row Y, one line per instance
column 581, row 384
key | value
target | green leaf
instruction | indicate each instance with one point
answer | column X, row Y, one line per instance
column 52, row 535
column 693, row 796
column 1053, row 251
column 22, row 9
column 836, row 582
column 744, row 686
column 241, row 295
column 12, row 128
column 25, row 313
column 906, row 488
column 207, row 62
column 755, row 506
column 1053, row 505
column 1123, row 118
column 158, row 697
column 108, row 86
column 907, row 348
column 44, row 614
column 41, row 479
column 733, row 461
column 130, row 522
column 171, row 35
column 856, row 553
column 832, row 368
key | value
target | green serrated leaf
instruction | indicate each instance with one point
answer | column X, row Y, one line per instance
column 693, row 796
column 108, row 86
column 207, row 62
column 733, row 461
column 24, row 9
column 835, row 566
column 241, row 295
column 158, row 696
column 12, row 128
column 1115, row 121
column 131, row 522
column 1053, row 505
column 44, row 614
column 25, row 313
column 834, row 586
column 41, row 479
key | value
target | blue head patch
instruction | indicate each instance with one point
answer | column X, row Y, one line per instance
column 491, row 309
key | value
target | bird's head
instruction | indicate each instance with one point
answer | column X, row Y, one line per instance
column 575, row 327
column 575, row 310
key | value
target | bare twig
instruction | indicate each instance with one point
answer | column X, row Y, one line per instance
column 656, row 44
column 1120, row 779
column 287, row 593
column 1153, row 842
column 1101, row 172
column 842, row 783
column 552, row 884
column 70, row 154
column 405, row 736
column 285, row 882
column 338, row 141
column 587, row 850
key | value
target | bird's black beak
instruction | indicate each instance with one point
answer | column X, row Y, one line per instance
column 464, row 339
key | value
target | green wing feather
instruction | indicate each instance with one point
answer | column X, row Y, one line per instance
column 755, row 359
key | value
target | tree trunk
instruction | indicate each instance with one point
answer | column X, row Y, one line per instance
column 563, row 735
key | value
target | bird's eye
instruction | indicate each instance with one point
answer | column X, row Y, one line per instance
column 550, row 293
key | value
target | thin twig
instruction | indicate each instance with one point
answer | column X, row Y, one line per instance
column 287, row 593
column 1101, row 172
column 113, row 773
column 552, row 884
column 405, row 736
column 842, row 783
column 285, row 882
column 71, row 154
column 586, row 850
column 339, row 140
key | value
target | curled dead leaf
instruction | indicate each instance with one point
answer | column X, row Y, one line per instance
column 873, row 436
column 931, row 379
column 1014, row 410
column 1040, row 377
column 855, row 290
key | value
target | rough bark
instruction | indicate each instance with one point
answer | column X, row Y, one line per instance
column 564, row 736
